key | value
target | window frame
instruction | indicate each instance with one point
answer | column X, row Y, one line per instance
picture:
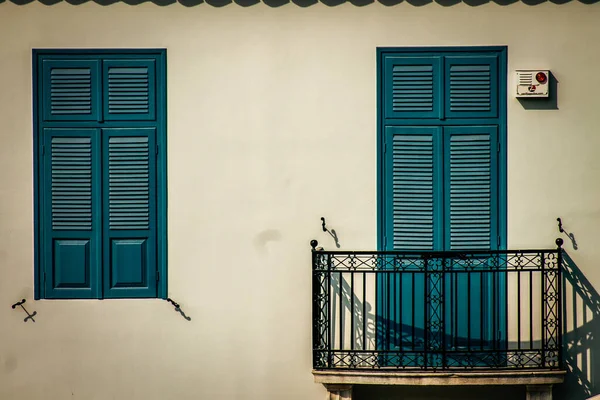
column 161, row 156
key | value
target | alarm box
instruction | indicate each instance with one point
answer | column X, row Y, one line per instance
column 533, row 83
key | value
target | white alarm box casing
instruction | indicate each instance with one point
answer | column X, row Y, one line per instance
column 528, row 85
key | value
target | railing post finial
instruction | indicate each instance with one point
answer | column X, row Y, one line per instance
column 314, row 244
column 559, row 242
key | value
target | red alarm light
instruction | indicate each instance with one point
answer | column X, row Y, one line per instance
column 541, row 77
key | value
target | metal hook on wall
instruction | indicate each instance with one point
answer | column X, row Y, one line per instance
column 570, row 235
column 178, row 308
column 331, row 232
column 560, row 227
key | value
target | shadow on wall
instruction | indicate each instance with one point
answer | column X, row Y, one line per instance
column 581, row 324
column 304, row 3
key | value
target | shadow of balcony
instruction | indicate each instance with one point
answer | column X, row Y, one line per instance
column 581, row 327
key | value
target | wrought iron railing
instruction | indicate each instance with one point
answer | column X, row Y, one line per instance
column 480, row 310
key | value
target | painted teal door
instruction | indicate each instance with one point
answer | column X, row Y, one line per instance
column 99, row 173
column 441, row 188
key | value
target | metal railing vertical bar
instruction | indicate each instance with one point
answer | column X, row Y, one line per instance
column 482, row 292
column 494, row 336
column 341, row 311
column 329, row 313
column 388, row 321
column 351, row 311
column 442, row 328
column 426, row 312
column 506, row 322
column 413, row 309
column 317, row 287
column 544, row 309
column 394, row 311
column 469, row 312
column 455, row 317
column 364, row 311
column 531, row 309
column 376, row 321
column 400, row 329
column 518, row 311
column 561, row 314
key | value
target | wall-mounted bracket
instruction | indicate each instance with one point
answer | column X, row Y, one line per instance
column 29, row 316
column 570, row 235
column 178, row 308
column 331, row 232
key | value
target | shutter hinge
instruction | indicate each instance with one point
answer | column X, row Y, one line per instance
column 156, row 149
column 499, row 241
column 498, row 147
column 44, row 278
column 157, row 276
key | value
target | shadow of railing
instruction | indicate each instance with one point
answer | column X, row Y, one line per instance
column 364, row 328
column 363, row 323
column 581, row 327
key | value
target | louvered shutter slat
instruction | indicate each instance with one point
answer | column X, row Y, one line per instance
column 412, row 87
column 71, row 180
column 72, row 89
column 127, row 181
column 471, row 86
column 129, row 90
column 412, row 185
column 471, row 173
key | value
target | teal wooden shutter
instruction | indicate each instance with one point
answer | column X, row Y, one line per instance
column 71, row 213
column 413, row 188
column 129, row 178
column 471, row 169
column 471, row 87
column 412, row 87
column 99, row 119
column 71, row 90
column 129, row 89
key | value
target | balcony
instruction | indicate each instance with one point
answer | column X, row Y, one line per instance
column 437, row 318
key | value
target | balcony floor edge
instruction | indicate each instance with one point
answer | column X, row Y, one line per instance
column 446, row 378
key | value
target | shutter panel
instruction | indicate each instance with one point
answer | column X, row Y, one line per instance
column 129, row 90
column 130, row 212
column 471, row 87
column 471, row 172
column 71, row 213
column 70, row 90
column 413, row 187
column 412, row 87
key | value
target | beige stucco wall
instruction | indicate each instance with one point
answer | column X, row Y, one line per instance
column 271, row 125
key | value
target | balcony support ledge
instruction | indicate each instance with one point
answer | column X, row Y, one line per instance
column 538, row 382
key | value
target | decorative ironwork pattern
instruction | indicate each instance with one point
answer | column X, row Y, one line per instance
column 456, row 310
